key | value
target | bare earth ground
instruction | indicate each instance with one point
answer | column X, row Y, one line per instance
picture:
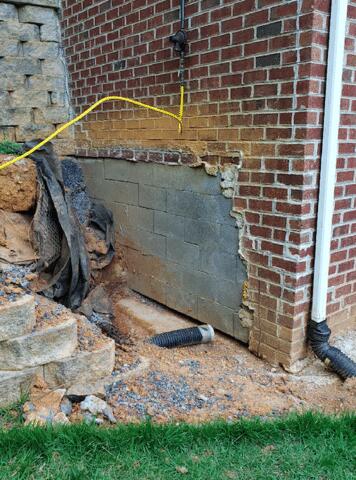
column 218, row 380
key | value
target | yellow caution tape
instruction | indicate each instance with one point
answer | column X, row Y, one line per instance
column 178, row 117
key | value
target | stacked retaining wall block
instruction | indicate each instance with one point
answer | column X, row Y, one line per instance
column 178, row 239
column 31, row 346
column 33, row 83
column 255, row 83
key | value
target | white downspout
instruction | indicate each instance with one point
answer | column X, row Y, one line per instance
column 330, row 144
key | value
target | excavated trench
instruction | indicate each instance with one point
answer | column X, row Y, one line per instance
column 216, row 380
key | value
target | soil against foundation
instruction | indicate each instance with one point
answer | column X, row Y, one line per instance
column 217, row 380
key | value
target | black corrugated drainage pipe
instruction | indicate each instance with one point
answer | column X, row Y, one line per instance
column 319, row 334
column 184, row 337
column 318, row 331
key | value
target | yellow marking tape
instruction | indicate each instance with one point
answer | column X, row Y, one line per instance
column 178, row 117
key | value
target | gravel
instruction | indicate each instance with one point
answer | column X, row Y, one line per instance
column 157, row 393
column 74, row 182
column 14, row 282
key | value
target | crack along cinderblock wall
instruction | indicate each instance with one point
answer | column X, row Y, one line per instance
column 255, row 83
column 34, row 96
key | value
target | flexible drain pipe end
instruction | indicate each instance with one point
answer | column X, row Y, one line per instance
column 319, row 334
column 184, row 337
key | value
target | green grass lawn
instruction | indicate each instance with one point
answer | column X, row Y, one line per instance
column 299, row 447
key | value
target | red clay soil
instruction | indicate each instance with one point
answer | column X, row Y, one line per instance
column 218, row 380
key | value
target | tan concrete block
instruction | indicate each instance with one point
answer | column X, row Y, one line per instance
column 17, row 318
column 81, row 367
column 40, row 347
column 14, row 385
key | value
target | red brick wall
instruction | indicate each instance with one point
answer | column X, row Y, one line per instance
column 255, row 81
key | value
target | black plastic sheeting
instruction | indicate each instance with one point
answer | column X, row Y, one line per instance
column 58, row 235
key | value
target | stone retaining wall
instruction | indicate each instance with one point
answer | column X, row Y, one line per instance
column 34, row 96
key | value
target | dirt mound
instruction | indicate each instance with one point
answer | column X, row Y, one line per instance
column 18, row 185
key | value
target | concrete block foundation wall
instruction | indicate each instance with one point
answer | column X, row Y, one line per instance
column 177, row 236
column 255, row 84
column 33, row 83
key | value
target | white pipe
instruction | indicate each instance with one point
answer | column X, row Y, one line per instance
column 329, row 156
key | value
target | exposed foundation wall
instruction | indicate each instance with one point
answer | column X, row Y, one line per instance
column 33, row 83
column 255, row 84
column 177, row 236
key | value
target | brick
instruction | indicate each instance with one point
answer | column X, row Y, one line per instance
column 268, row 60
column 269, row 30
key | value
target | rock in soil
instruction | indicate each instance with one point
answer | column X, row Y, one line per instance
column 44, row 405
column 95, row 406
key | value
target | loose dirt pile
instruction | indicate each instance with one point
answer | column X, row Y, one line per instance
column 18, row 186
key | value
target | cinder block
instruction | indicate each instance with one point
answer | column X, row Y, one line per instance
column 229, row 239
column 240, row 332
column 217, row 315
column 169, row 225
column 140, row 217
column 139, row 263
column 119, row 211
column 8, row 11
column 228, row 293
column 182, row 301
column 219, row 264
column 186, row 204
column 149, row 286
column 93, row 167
column 142, row 240
column 153, row 197
column 217, row 207
column 201, row 232
column 183, row 253
column 115, row 191
column 126, row 171
column 182, row 177
column 37, row 14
